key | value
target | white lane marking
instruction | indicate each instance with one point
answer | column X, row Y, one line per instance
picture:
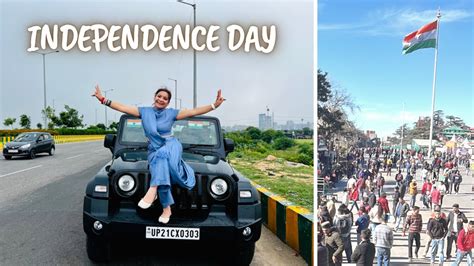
column 75, row 156
column 27, row 169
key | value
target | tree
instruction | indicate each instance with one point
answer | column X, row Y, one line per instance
column 70, row 118
column 283, row 143
column 25, row 121
column 454, row 121
column 114, row 126
column 332, row 105
column 49, row 112
column 270, row 134
column 101, row 126
column 254, row 133
column 39, row 126
column 9, row 121
column 307, row 131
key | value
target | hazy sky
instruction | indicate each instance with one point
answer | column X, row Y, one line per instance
column 360, row 46
column 281, row 80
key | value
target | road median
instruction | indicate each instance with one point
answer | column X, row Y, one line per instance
column 291, row 223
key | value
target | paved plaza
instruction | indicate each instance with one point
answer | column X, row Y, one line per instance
column 399, row 251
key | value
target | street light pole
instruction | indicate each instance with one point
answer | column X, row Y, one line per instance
column 194, row 54
column 105, row 92
column 44, row 84
column 175, row 92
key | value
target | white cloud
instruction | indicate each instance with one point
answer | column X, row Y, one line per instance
column 397, row 21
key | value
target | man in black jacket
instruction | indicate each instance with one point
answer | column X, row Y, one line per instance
column 437, row 229
column 364, row 253
column 456, row 219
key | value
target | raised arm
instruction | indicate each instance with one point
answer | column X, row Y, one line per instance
column 202, row 109
column 127, row 109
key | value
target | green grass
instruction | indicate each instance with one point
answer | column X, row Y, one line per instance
column 301, row 141
column 293, row 183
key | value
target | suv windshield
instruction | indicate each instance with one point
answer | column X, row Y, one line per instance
column 27, row 137
column 188, row 132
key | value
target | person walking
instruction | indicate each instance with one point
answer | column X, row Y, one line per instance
column 322, row 251
column 399, row 177
column 333, row 243
column 413, row 191
column 401, row 213
column 456, row 219
column 364, row 253
column 343, row 223
column 362, row 223
column 376, row 216
column 437, row 229
column 437, row 208
column 395, row 199
column 413, row 223
column 372, row 198
column 457, row 179
column 383, row 239
column 383, row 203
column 426, row 192
column 435, row 196
column 380, row 183
column 389, row 166
column 465, row 243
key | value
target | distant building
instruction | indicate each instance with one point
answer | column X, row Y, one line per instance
column 370, row 134
column 265, row 122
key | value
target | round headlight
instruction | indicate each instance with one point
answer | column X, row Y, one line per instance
column 219, row 187
column 126, row 183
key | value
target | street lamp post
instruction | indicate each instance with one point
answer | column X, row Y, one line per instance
column 194, row 54
column 180, row 101
column 44, row 83
column 175, row 92
column 105, row 92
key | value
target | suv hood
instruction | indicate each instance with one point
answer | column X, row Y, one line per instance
column 219, row 168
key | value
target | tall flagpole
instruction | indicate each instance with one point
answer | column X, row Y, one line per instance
column 438, row 16
column 401, row 139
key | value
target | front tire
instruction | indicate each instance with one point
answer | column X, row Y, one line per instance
column 98, row 250
column 7, row 157
column 32, row 154
column 51, row 151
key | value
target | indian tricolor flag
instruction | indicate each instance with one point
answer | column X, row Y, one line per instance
column 425, row 37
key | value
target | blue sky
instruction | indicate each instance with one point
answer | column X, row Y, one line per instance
column 360, row 45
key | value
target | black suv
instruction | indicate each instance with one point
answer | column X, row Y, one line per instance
column 28, row 144
column 222, row 208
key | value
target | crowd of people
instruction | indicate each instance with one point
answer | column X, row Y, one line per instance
column 365, row 203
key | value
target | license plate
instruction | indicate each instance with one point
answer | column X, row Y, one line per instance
column 155, row 232
column 12, row 151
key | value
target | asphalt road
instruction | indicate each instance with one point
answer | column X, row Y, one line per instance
column 41, row 216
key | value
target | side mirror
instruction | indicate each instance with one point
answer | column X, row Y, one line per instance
column 109, row 142
column 229, row 145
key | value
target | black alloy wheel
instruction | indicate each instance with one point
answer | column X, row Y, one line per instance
column 32, row 154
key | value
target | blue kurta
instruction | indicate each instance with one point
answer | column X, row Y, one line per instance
column 164, row 153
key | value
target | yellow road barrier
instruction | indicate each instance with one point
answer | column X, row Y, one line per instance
column 60, row 138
